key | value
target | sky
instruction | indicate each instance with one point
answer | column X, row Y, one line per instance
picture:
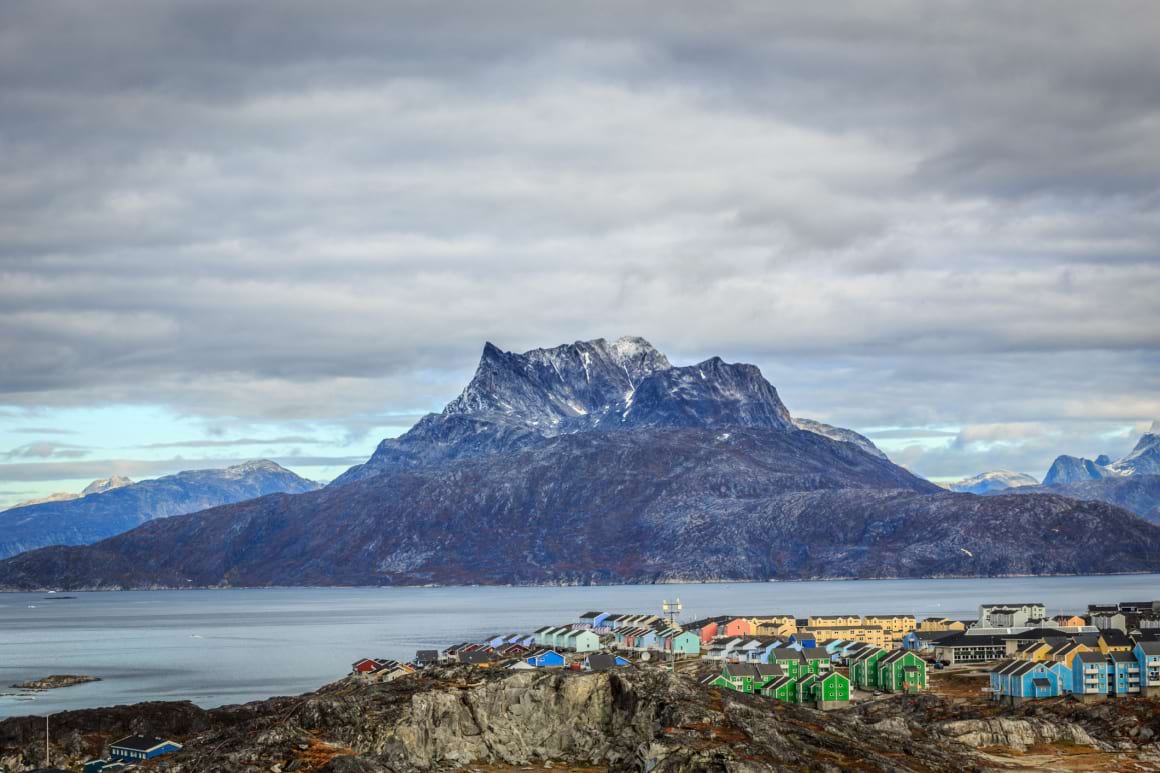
column 234, row 230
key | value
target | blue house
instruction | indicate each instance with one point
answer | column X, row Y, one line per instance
column 1124, row 678
column 545, row 659
column 1089, row 676
column 1023, row 680
column 142, row 747
column 803, row 640
column 1148, row 656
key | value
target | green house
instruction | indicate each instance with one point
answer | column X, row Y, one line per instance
column 815, row 660
column 832, row 688
column 791, row 662
column 805, row 688
column 784, row 689
column 901, row 671
column 745, row 677
column 864, row 668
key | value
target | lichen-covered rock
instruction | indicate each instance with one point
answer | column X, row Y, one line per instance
column 1016, row 733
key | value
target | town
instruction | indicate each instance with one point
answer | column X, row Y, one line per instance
column 827, row 661
column 1015, row 652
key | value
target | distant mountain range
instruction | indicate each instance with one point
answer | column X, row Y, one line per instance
column 1132, row 482
column 117, row 504
column 96, row 487
column 600, row 462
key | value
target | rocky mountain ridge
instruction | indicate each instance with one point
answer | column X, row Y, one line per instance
column 96, row 487
column 117, row 505
column 602, row 463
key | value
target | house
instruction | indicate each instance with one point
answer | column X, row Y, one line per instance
column 789, row 661
column 864, row 667
column 684, row 643
column 134, row 748
column 924, row 641
column 1089, row 673
column 1148, row 656
column 968, row 648
column 427, row 657
column 901, row 671
column 935, row 624
column 1110, row 619
column 1114, row 640
column 1069, row 621
column 1022, row 680
column 545, row 659
column 832, row 621
column 1010, row 615
column 579, row 640
column 735, row 626
column 480, row 658
column 871, row 634
column 1124, row 677
column 705, row 628
column 603, row 661
column 774, row 625
column 826, row 691
column 816, row 660
column 782, row 688
column 745, row 677
column 894, row 627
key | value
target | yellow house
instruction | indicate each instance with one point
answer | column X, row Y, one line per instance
column 941, row 624
column 895, row 626
column 832, row 621
column 871, row 634
column 1037, row 651
column 1068, row 621
column 1114, row 641
column 1065, row 653
column 775, row 626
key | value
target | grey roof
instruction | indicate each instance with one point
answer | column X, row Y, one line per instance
column 1091, row 657
column 1149, row 647
column 1039, row 681
column 141, row 743
column 815, row 653
column 1122, row 657
column 600, row 661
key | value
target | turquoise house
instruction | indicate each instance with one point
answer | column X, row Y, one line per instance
column 685, row 643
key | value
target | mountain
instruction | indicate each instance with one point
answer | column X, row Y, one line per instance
column 838, row 433
column 1139, row 494
column 117, row 504
column 1072, row 469
column 996, row 480
column 1132, row 482
column 600, row 462
column 96, row 487
column 1145, row 457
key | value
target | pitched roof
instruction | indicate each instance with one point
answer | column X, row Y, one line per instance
column 142, row 743
column 600, row 661
column 1122, row 657
column 1091, row 657
column 1149, row 647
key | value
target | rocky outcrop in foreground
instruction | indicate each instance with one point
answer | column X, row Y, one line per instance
column 630, row 719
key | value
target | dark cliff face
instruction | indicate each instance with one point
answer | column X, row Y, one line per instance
column 103, row 514
column 601, row 463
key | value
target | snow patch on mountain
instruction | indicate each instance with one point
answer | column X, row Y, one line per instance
column 995, row 480
column 841, row 434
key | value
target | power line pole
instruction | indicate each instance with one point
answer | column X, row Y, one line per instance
column 47, row 754
column 672, row 609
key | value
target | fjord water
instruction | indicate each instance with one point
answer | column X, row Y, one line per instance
column 215, row 647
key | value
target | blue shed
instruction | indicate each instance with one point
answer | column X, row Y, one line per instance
column 546, row 659
column 142, row 747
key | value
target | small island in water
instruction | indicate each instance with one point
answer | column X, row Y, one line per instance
column 55, row 681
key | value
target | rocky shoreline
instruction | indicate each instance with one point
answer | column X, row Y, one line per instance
column 635, row 718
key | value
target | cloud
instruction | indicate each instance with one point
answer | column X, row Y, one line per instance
column 145, row 468
column 906, row 219
column 205, row 443
column 46, row 450
column 42, row 431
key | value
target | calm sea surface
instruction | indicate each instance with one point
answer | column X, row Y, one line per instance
column 232, row 646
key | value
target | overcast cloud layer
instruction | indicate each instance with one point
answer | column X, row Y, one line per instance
column 280, row 221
